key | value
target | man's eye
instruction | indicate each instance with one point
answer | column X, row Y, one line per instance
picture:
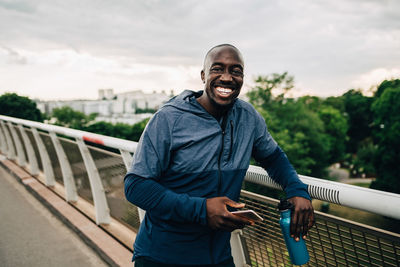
column 218, row 69
column 237, row 72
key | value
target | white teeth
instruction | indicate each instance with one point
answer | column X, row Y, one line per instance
column 223, row 90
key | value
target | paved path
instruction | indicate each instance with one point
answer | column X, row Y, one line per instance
column 31, row 236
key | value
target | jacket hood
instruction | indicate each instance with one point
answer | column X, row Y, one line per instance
column 186, row 101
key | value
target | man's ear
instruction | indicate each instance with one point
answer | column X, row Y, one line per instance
column 202, row 76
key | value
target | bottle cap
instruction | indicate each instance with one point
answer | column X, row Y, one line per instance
column 284, row 204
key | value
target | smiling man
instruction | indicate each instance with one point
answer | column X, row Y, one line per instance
column 190, row 164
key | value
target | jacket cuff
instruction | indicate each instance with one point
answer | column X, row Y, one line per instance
column 201, row 207
column 298, row 192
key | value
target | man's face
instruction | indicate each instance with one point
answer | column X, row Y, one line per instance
column 223, row 76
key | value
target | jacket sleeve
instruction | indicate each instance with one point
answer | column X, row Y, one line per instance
column 143, row 185
column 275, row 162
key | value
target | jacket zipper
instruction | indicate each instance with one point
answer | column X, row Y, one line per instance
column 223, row 126
column 231, row 144
column 219, row 178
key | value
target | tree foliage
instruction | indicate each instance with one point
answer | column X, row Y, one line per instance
column 386, row 114
column 358, row 110
column 119, row 130
column 68, row 117
column 17, row 106
column 335, row 128
column 305, row 131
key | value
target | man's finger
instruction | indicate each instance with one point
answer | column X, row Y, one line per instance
column 299, row 225
column 293, row 223
column 310, row 220
column 305, row 222
column 242, row 220
column 231, row 223
column 234, row 204
column 238, row 219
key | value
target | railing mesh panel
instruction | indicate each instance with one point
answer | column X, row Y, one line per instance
column 331, row 242
column 35, row 148
column 4, row 146
column 78, row 169
column 112, row 171
column 18, row 132
column 53, row 156
column 7, row 128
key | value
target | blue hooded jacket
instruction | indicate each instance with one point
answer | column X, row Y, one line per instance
column 185, row 156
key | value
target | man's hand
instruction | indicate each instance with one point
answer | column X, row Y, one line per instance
column 302, row 217
column 219, row 218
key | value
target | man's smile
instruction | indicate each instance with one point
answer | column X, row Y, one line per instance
column 223, row 91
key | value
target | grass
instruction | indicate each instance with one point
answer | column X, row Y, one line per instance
column 366, row 185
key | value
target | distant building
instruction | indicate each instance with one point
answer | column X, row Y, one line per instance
column 112, row 107
column 106, row 94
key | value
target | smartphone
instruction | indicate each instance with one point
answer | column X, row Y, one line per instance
column 248, row 214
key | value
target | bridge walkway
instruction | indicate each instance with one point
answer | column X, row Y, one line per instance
column 32, row 236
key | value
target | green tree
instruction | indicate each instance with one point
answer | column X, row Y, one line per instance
column 386, row 84
column 67, row 117
column 137, row 130
column 335, row 127
column 358, row 109
column 386, row 114
column 297, row 129
column 363, row 162
column 335, row 102
column 331, row 112
column 101, row 127
column 17, row 106
column 119, row 130
column 270, row 90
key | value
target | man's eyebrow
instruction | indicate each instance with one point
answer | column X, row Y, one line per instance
column 221, row 64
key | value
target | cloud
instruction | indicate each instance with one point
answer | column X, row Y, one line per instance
column 19, row 6
column 11, row 56
column 324, row 44
column 370, row 80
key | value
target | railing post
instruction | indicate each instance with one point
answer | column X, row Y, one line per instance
column 44, row 157
column 68, row 177
column 127, row 158
column 98, row 193
column 3, row 144
column 238, row 254
column 33, row 164
column 10, row 151
column 20, row 150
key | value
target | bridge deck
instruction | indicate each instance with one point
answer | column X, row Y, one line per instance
column 32, row 236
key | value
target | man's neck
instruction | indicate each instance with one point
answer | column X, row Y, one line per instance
column 216, row 111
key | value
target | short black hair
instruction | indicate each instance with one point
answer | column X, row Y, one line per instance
column 218, row 46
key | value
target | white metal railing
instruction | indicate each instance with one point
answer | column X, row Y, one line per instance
column 12, row 145
column 366, row 199
column 375, row 201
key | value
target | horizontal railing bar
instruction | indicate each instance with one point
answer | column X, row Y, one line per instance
column 86, row 136
column 366, row 199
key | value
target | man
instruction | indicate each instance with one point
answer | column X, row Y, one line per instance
column 190, row 164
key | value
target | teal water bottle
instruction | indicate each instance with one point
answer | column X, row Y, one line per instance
column 297, row 250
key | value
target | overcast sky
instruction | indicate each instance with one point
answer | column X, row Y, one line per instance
column 51, row 49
